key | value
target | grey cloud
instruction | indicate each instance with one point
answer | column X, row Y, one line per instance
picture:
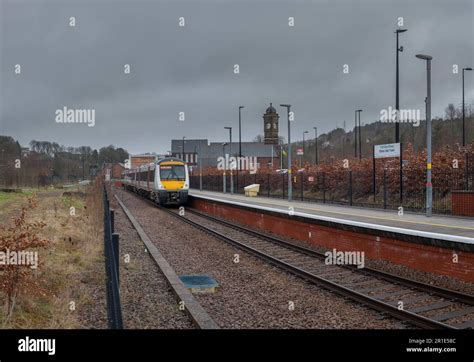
column 190, row 69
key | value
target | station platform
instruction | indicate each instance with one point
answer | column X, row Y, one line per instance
column 458, row 232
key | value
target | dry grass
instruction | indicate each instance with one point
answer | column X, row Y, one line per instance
column 71, row 270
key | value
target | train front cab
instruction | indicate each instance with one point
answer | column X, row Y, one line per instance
column 173, row 182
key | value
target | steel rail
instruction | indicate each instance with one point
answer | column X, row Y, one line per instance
column 376, row 304
column 365, row 300
column 442, row 292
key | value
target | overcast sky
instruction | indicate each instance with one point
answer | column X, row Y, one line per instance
column 190, row 69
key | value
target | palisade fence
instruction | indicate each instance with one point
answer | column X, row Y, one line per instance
column 111, row 253
column 354, row 188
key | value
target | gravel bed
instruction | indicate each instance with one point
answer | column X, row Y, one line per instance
column 252, row 294
column 147, row 300
column 438, row 280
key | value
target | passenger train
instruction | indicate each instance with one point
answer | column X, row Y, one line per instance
column 165, row 181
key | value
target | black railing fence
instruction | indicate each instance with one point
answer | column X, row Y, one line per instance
column 355, row 188
column 111, row 253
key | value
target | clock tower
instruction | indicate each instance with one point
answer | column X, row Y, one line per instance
column 270, row 126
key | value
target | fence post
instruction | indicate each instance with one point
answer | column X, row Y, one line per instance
column 350, row 187
column 302, row 186
column 384, row 188
column 324, row 187
column 268, row 185
column 466, row 169
column 112, row 220
column 283, row 184
column 237, row 182
column 401, row 173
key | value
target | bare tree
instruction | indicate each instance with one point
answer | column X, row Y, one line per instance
column 451, row 114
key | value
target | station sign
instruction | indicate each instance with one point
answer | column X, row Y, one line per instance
column 310, row 178
column 387, row 150
column 299, row 152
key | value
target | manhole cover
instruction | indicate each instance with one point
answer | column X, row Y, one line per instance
column 199, row 283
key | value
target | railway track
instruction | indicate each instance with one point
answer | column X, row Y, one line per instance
column 419, row 304
column 387, row 293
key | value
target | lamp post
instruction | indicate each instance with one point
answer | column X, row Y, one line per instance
column 223, row 175
column 429, row 185
column 360, row 137
column 281, row 154
column 397, row 103
column 290, row 188
column 316, row 144
column 183, row 146
column 240, row 131
column 463, row 128
column 200, row 168
column 463, row 108
column 230, row 164
column 304, row 149
column 355, row 134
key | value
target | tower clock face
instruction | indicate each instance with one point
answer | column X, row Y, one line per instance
column 274, row 125
column 268, row 125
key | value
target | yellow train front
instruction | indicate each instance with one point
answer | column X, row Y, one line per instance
column 165, row 181
column 172, row 182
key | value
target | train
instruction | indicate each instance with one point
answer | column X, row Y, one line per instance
column 165, row 181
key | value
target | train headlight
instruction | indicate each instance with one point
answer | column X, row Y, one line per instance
column 160, row 187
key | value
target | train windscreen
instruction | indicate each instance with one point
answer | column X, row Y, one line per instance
column 172, row 172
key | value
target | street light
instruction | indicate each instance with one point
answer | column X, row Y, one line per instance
column 463, row 110
column 290, row 189
column 223, row 175
column 397, row 103
column 429, row 185
column 200, row 167
column 316, row 144
column 360, row 131
column 230, row 155
column 304, row 149
column 240, row 132
column 183, row 146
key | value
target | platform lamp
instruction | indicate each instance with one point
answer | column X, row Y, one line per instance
column 397, row 88
column 463, row 108
column 183, row 147
column 290, row 186
column 429, row 185
column 315, row 145
column 360, row 135
column 463, row 126
column 304, row 150
column 240, row 131
column 223, row 175
column 230, row 155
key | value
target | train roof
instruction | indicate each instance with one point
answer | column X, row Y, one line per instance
column 146, row 165
column 170, row 159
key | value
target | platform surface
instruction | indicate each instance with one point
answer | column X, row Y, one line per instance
column 449, row 228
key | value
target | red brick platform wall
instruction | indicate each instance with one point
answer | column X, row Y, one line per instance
column 417, row 256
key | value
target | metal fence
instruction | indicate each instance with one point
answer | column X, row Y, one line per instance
column 362, row 188
column 111, row 252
